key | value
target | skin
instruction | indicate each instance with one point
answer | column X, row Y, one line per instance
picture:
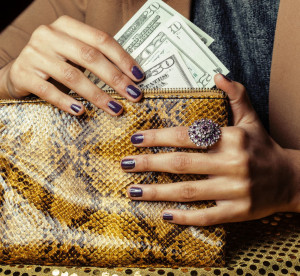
column 46, row 55
column 250, row 175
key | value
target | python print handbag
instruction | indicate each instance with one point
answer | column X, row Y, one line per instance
column 63, row 197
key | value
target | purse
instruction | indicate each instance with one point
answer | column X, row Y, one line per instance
column 63, row 198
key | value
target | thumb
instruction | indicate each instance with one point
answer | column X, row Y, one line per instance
column 242, row 110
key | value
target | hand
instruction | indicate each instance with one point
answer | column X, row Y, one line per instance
column 250, row 176
column 67, row 39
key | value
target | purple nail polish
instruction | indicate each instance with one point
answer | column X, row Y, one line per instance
column 137, row 72
column 115, row 107
column 167, row 216
column 76, row 107
column 128, row 164
column 137, row 138
column 133, row 91
column 226, row 78
column 135, row 192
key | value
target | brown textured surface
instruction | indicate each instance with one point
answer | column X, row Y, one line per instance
column 63, row 195
column 269, row 246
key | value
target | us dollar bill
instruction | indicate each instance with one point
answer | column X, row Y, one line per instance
column 202, row 54
column 160, row 41
column 152, row 15
column 170, row 71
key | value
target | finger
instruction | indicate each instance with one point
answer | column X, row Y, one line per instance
column 47, row 91
column 74, row 79
column 178, row 162
column 202, row 217
column 97, row 63
column 243, row 112
column 172, row 137
column 67, row 48
column 102, row 42
column 208, row 189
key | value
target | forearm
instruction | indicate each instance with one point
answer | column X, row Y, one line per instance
column 294, row 158
column 4, row 76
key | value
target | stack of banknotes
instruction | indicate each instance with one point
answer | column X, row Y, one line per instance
column 172, row 51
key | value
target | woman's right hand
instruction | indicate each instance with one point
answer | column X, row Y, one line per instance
column 66, row 39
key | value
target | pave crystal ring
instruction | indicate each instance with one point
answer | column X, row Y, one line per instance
column 204, row 133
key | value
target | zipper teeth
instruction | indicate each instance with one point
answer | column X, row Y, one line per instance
column 174, row 90
column 164, row 91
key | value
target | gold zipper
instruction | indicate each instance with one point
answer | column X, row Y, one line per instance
column 146, row 92
column 176, row 91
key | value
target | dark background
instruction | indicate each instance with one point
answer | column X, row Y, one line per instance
column 10, row 9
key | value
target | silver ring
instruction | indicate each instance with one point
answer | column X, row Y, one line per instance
column 204, row 133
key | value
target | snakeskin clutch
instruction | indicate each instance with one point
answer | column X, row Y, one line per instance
column 63, row 195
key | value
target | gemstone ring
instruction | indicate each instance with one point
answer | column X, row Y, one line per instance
column 204, row 133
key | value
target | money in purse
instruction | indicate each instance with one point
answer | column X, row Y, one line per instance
column 172, row 51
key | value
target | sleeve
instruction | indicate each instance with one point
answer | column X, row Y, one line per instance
column 40, row 12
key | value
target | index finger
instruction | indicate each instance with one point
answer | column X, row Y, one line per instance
column 102, row 42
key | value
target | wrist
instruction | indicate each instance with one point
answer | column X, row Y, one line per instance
column 4, row 82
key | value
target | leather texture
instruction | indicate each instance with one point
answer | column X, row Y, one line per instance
column 63, row 197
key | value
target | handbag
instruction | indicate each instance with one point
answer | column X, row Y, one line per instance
column 63, row 198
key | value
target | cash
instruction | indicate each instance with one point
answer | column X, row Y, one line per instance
column 169, row 71
column 172, row 51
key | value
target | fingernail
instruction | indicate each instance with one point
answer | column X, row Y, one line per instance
column 76, row 107
column 115, row 107
column 226, row 78
column 136, row 192
column 128, row 164
column 137, row 138
column 137, row 72
column 167, row 216
column 133, row 91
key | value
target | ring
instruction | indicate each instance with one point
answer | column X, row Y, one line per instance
column 204, row 132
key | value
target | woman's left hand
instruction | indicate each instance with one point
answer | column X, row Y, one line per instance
column 250, row 176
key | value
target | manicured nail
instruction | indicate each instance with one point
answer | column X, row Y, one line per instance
column 167, row 216
column 135, row 192
column 76, row 107
column 128, row 164
column 115, row 107
column 226, row 78
column 133, row 91
column 137, row 72
column 137, row 138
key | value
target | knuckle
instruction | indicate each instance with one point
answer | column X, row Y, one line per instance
column 180, row 162
column 102, row 37
column 246, row 209
column 242, row 188
column 240, row 165
column 89, row 54
column 188, row 191
column 43, row 90
column 71, row 75
column 182, row 218
column 117, row 79
column 203, row 219
column 241, row 137
column 40, row 32
column 244, row 165
column 61, row 21
column 181, row 135
column 145, row 162
column 97, row 99
column 16, row 70
column 126, row 60
column 153, row 193
column 150, row 136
